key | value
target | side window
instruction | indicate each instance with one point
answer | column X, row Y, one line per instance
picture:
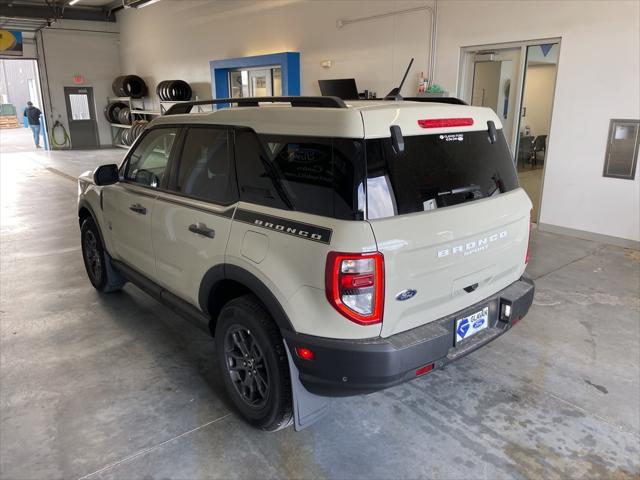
column 148, row 162
column 314, row 175
column 204, row 169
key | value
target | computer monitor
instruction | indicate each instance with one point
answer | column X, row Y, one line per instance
column 344, row 88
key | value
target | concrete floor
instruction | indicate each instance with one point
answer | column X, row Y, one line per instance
column 118, row 387
column 531, row 181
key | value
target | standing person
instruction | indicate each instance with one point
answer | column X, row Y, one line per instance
column 33, row 115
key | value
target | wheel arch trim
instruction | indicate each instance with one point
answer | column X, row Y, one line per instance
column 84, row 204
column 219, row 273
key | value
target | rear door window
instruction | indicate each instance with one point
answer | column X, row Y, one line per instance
column 436, row 171
column 314, row 175
column 204, row 170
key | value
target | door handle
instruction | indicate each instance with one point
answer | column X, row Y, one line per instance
column 136, row 207
column 201, row 229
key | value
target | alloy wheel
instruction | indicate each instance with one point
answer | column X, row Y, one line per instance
column 246, row 366
column 92, row 255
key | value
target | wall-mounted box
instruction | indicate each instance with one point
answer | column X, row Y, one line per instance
column 621, row 158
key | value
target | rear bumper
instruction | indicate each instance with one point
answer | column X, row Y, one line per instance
column 352, row 367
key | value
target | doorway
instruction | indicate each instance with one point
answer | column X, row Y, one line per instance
column 19, row 84
column 81, row 112
column 255, row 82
column 494, row 75
column 517, row 81
column 275, row 74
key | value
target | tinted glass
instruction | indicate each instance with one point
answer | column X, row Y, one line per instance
column 321, row 176
column 436, row 171
column 204, row 166
column 148, row 161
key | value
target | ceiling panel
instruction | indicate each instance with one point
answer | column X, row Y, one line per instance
column 22, row 24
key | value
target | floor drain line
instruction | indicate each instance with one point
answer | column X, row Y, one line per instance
column 62, row 174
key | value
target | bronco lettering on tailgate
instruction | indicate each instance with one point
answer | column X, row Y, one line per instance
column 472, row 246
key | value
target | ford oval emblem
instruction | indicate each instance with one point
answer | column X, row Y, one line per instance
column 406, row 294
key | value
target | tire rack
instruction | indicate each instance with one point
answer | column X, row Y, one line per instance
column 166, row 105
column 138, row 112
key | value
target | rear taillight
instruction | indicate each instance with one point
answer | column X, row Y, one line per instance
column 355, row 285
column 445, row 122
column 425, row 369
column 305, row 353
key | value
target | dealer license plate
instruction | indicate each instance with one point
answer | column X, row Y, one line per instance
column 469, row 326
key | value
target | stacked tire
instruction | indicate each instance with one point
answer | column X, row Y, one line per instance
column 126, row 137
column 174, row 91
column 124, row 116
column 137, row 128
column 113, row 113
column 129, row 135
column 129, row 86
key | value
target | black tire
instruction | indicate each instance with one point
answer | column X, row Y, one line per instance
column 112, row 110
column 124, row 116
column 129, row 86
column 126, row 137
column 96, row 261
column 137, row 129
column 174, row 90
column 261, row 388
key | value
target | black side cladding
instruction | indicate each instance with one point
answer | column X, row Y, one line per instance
column 306, row 231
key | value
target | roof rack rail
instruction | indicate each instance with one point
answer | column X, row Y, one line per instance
column 323, row 102
column 450, row 100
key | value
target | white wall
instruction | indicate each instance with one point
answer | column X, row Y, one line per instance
column 187, row 34
column 598, row 78
column 73, row 47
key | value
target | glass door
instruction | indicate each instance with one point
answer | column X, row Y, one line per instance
column 260, row 83
column 239, row 84
column 517, row 81
column 255, row 82
column 495, row 83
column 539, row 81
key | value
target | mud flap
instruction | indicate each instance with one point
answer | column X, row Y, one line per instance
column 114, row 278
column 308, row 408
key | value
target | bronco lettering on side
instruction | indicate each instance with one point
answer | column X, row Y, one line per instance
column 307, row 231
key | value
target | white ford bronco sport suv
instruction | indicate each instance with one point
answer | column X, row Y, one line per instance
column 331, row 249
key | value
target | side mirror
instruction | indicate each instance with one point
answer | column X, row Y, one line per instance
column 106, row 175
column 397, row 139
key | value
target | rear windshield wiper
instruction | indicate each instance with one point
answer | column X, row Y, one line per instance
column 466, row 189
column 498, row 183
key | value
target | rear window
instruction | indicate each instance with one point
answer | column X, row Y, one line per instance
column 314, row 175
column 436, row 171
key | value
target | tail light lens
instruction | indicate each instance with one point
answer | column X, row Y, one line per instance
column 445, row 122
column 425, row 369
column 355, row 285
column 305, row 353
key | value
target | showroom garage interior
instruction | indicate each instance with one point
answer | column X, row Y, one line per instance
column 125, row 385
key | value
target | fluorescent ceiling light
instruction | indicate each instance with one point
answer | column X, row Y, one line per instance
column 73, row 2
column 142, row 3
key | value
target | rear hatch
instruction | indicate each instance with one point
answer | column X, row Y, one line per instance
column 449, row 217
